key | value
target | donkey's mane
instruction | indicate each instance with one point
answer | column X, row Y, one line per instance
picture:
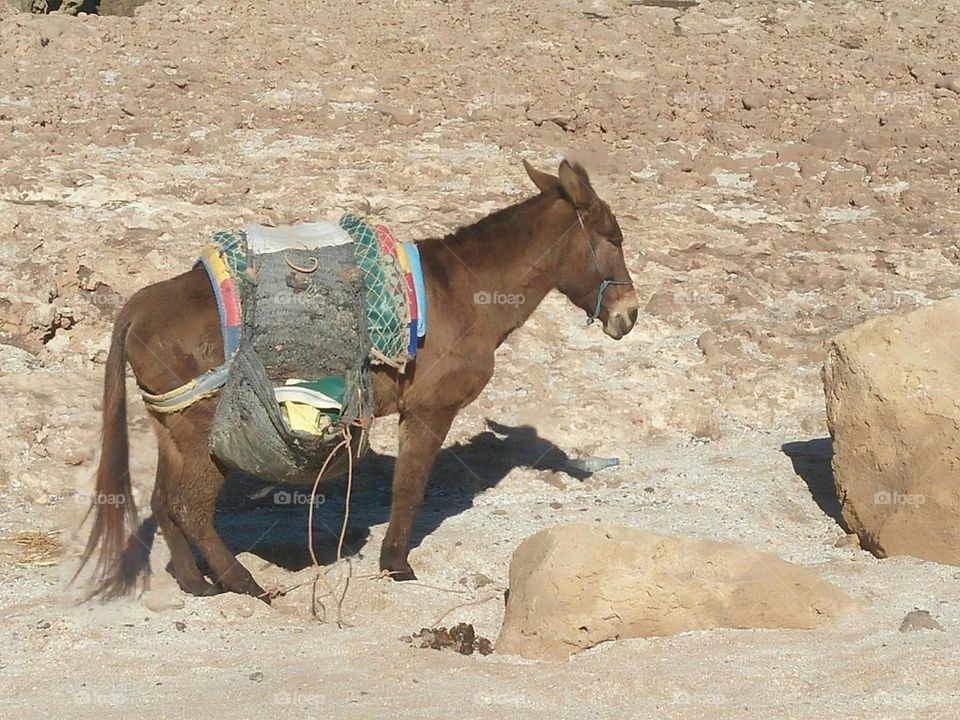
column 466, row 233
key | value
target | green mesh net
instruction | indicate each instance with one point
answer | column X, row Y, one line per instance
column 234, row 252
column 388, row 319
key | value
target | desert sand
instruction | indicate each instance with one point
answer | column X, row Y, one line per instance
column 781, row 172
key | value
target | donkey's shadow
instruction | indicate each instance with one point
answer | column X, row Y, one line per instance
column 271, row 521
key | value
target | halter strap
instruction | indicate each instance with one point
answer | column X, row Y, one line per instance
column 605, row 282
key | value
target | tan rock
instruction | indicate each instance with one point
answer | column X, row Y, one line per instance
column 951, row 82
column 893, row 409
column 397, row 115
column 829, row 136
column 237, row 609
column 164, row 598
column 575, row 586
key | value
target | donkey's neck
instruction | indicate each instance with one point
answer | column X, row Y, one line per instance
column 505, row 264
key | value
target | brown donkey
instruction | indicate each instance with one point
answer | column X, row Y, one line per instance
column 565, row 238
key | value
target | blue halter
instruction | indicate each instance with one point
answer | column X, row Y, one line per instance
column 605, row 283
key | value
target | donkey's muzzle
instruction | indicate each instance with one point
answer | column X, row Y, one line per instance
column 619, row 323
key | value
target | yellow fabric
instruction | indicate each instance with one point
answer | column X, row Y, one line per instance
column 402, row 257
column 304, row 418
column 211, row 254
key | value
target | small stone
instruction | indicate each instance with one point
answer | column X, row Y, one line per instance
column 58, row 343
column 707, row 427
column 156, row 259
column 829, row 137
column 817, row 92
column 14, row 360
column 256, row 676
column 162, row 599
column 814, row 423
column 398, row 115
column 76, row 457
column 237, row 609
column 919, row 620
column 951, row 82
column 709, row 345
column 475, row 580
column 851, row 540
column 753, row 100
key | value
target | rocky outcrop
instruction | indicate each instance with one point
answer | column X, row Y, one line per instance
column 575, row 586
column 893, row 409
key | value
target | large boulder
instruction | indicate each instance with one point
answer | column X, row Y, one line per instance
column 893, row 409
column 575, row 586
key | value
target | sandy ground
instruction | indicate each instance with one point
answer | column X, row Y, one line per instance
column 780, row 172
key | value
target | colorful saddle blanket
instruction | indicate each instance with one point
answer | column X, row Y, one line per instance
column 395, row 298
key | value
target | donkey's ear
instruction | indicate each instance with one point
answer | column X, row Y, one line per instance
column 544, row 181
column 576, row 184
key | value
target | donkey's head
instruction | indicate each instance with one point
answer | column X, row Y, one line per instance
column 592, row 271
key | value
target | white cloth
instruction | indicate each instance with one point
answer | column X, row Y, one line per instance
column 302, row 236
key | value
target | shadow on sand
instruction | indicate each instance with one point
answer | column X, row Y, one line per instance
column 811, row 461
column 271, row 520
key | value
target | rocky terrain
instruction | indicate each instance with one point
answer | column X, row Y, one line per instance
column 781, row 172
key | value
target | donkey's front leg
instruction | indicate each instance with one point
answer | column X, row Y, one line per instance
column 422, row 431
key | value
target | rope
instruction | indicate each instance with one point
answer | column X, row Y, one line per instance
column 306, row 269
column 313, row 495
column 348, row 443
column 348, row 437
column 331, row 591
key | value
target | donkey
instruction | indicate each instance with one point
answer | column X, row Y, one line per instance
column 565, row 238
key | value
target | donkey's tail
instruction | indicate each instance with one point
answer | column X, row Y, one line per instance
column 123, row 554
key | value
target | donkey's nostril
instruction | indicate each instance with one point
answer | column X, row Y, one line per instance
column 633, row 316
column 618, row 325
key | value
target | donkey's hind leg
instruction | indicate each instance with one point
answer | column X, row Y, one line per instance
column 191, row 505
column 184, row 566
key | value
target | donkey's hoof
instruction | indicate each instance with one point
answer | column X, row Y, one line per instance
column 200, row 588
column 400, row 574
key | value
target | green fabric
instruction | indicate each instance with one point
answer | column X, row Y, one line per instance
column 234, row 253
column 385, row 298
column 333, row 386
